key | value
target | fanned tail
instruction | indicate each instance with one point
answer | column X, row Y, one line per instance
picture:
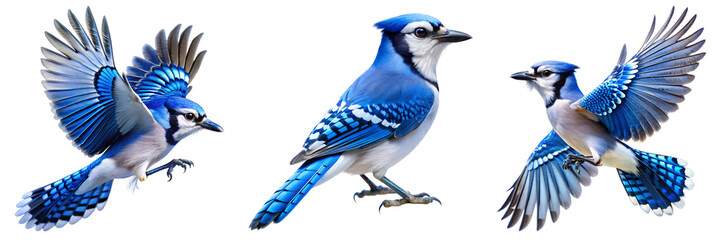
column 660, row 182
column 58, row 203
column 293, row 190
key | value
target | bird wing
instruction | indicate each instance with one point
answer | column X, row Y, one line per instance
column 349, row 126
column 544, row 183
column 94, row 103
column 638, row 95
column 167, row 69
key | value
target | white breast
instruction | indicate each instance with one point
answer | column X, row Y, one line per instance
column 589, row 137
column 379, row 158
column 136, row 157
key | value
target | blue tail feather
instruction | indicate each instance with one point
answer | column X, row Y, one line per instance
column 293, row 190
column 660, row 182
column 58, row 203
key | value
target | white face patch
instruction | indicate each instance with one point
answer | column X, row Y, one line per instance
column 186, row 127
column 544, row 85
column 426, row 51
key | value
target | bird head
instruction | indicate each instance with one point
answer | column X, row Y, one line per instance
column 184, row 117
column 553, row 80
column 419, row 39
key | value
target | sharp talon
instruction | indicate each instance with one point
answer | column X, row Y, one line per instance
column 420, row 195
column 438, row 200
column 354, row 195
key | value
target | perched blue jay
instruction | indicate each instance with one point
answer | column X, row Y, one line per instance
column 589, row 130
column 379, row 119
column 133, row 122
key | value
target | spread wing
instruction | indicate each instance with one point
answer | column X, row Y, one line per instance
column 94, row 103
column 350, row 126
column 167, row 69
column 545, row 185
column 639, row 94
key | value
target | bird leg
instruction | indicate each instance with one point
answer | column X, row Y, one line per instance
column 171, row 165
column 574, row 161
column 374, row 189
column 421, row 198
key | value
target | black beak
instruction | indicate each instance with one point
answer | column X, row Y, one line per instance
column 453, row 36
column 210, row 125
column 523, row 76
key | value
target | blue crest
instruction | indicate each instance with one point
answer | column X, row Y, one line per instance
column 396, row 24
column 557, row 66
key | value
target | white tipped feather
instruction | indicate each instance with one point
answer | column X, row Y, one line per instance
column 48, row 226
column 74, row 219
column 101, row 206
column 688, row 172
column 680, row 203
column 61, row 223
column 30, row 224
column 658, row 212
column 27, row 195
column 681, row 162
column 88, row 212
column 23, row 202
column 26, row 218
column 22, row 211
column 689, row 183
column 668, row 210
column 633, row 200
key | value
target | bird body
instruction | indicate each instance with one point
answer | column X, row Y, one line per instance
column 133, row 121
column 589, row 137
column 379, row 119
column 630, row 104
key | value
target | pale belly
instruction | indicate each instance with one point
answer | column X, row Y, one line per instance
column 132, row 160
column 589, row 137
column 379, row 158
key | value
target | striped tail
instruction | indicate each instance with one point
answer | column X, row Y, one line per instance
column 293, row 190
column 660, row 182
column 58, row 203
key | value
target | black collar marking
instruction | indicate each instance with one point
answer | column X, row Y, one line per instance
column 401, row 47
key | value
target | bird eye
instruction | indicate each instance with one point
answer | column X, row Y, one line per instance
column 546, row 73
column 189, row 116
column 420, row 32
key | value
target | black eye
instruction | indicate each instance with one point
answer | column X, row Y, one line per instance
column 546, row 73
column 420, row 32
column 189, row 116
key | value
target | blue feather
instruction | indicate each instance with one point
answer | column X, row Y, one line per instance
column 649, row 86
column 292, row 191
column 544, row 185
column 58, row 203
column 396, row 24
column 661, row 181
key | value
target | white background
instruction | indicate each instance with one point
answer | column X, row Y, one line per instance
column 274, row 68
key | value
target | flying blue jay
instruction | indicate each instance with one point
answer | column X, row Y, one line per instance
column 589, row 130
column 133, row 122
column 379, row 119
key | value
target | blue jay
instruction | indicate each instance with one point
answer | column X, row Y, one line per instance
column 589, row 130
column 133, row 122
column 379, row 119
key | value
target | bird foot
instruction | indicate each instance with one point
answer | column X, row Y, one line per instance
column 378, row 190
column 171, row 165
column 574, row 161
column 421, row 198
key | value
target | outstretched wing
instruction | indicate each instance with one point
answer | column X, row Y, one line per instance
column 167, row 69
column 350, row 126
column 638, row 95
column 95, row 104
column 545, row 185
